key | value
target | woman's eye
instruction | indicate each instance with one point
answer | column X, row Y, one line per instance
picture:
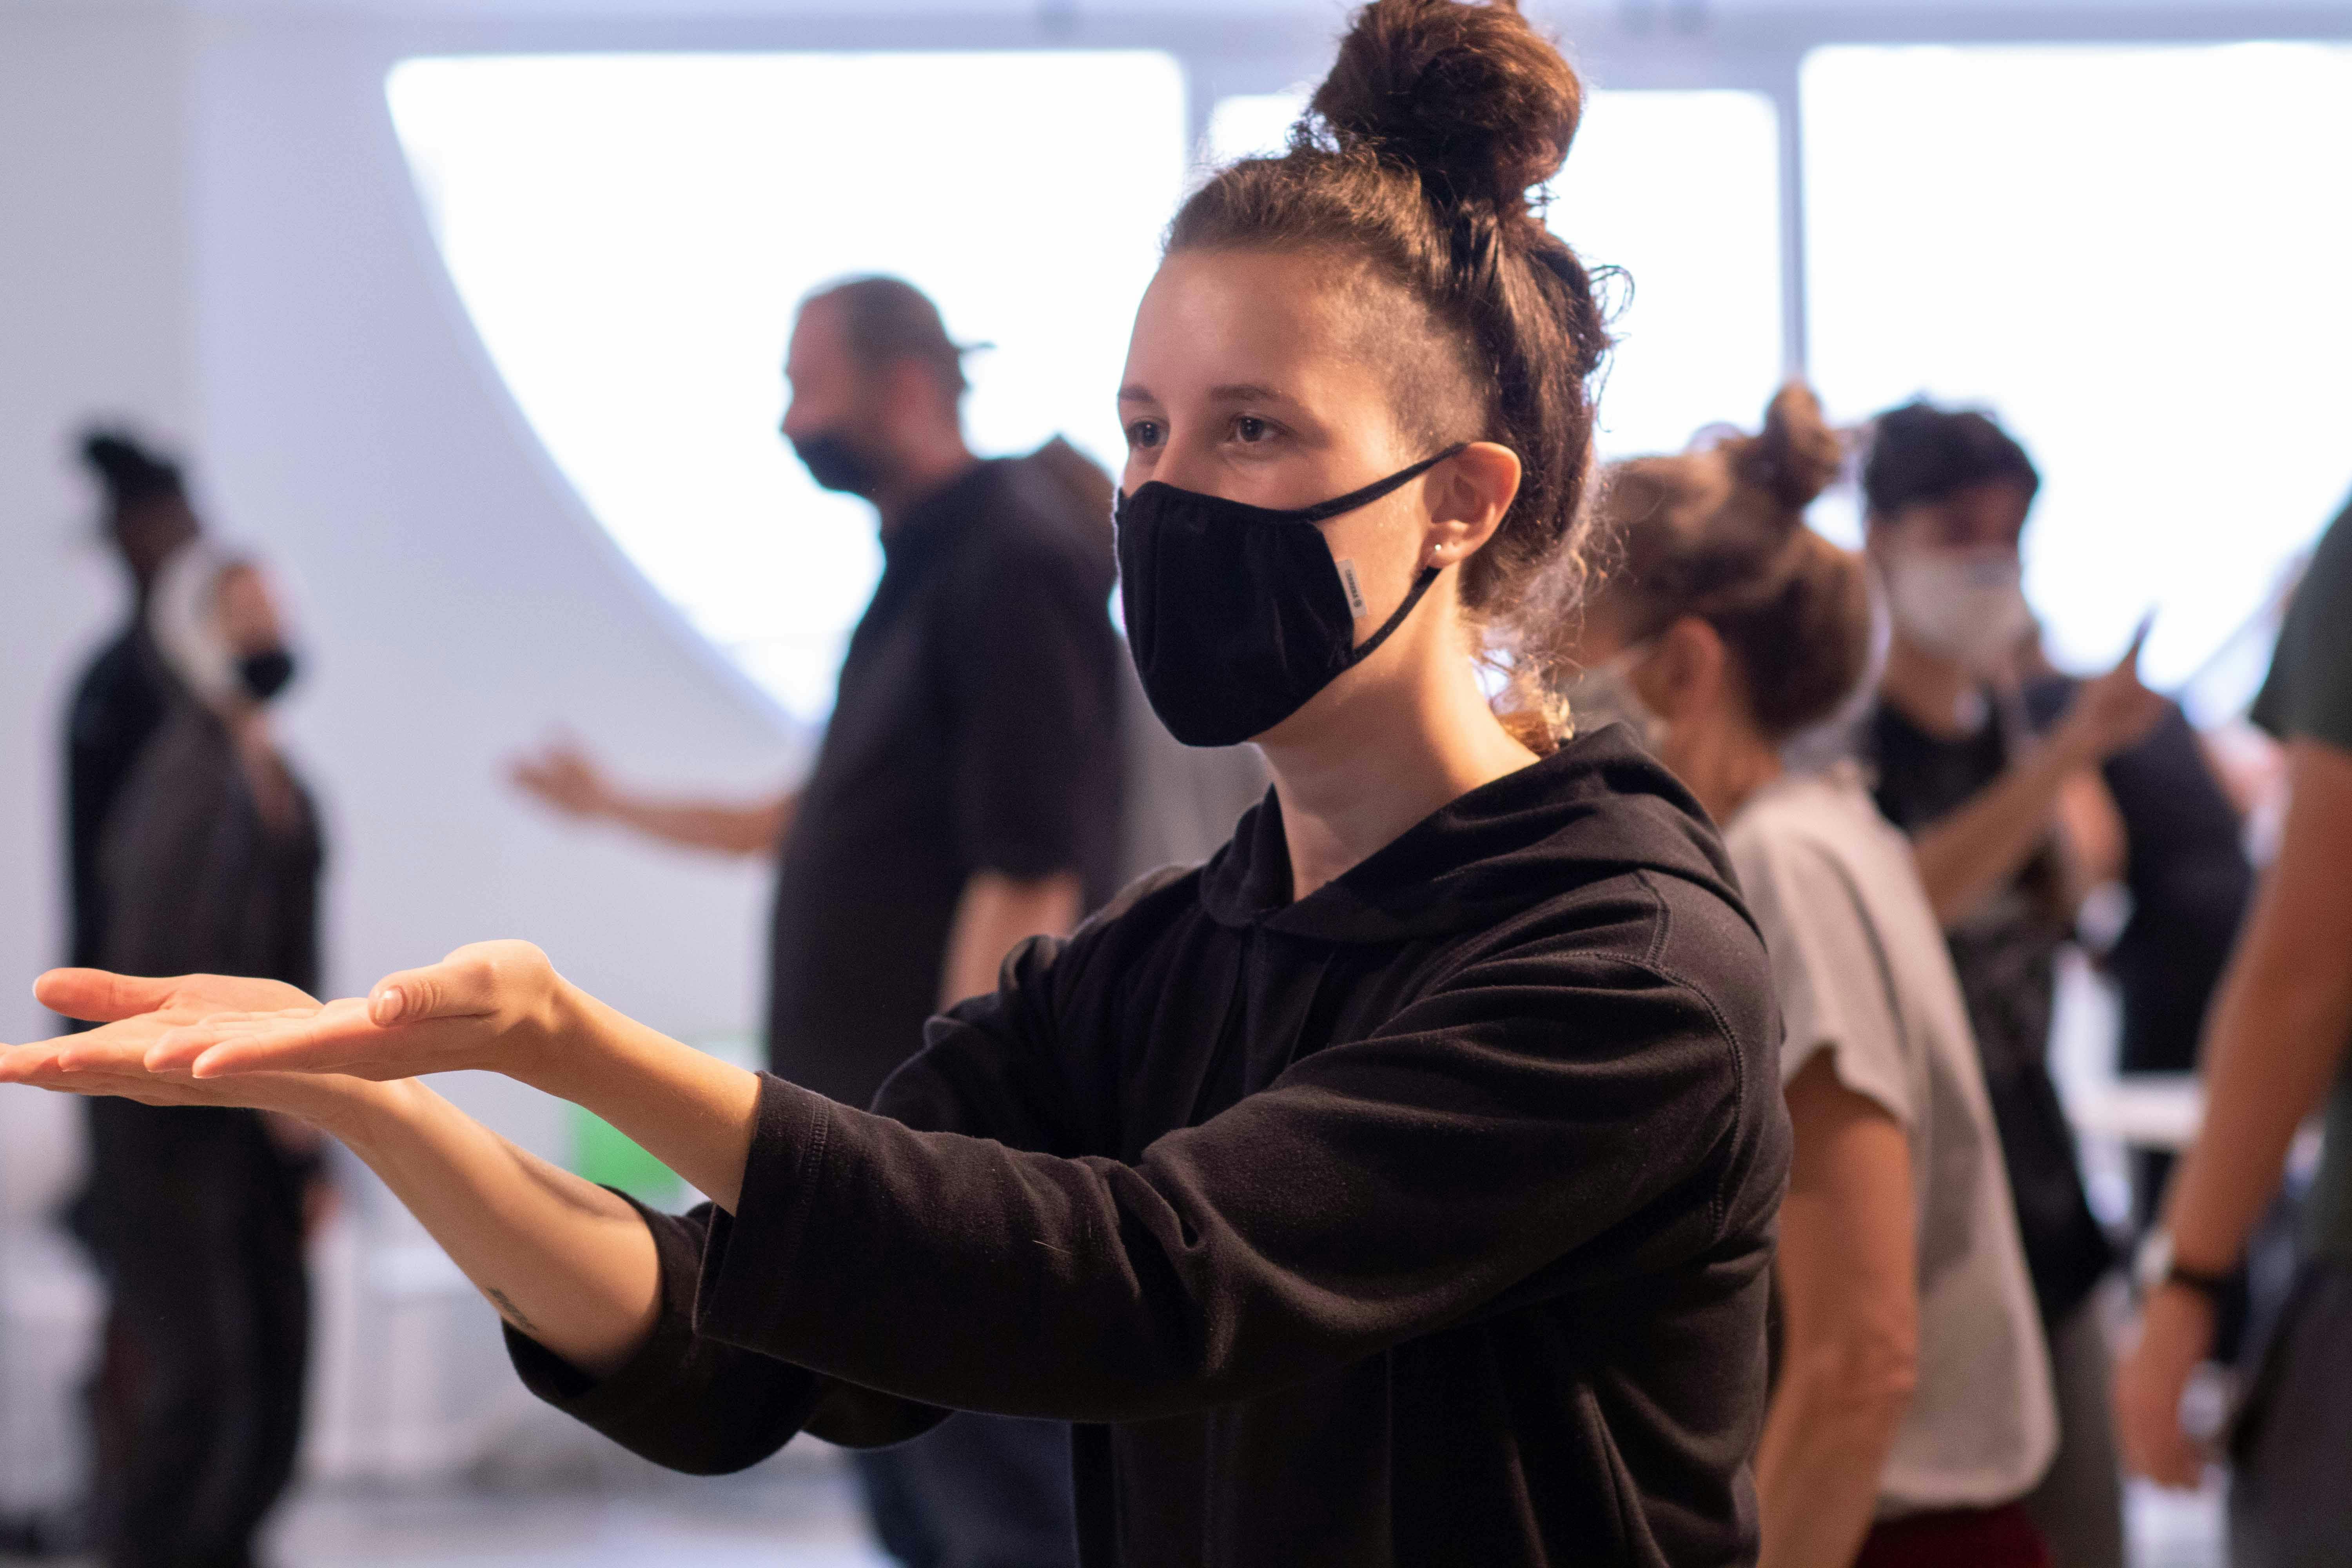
column 1250, row 430
column 1143, row 433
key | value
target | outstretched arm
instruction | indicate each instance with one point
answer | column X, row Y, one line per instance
column 564, row 776
column 563, row 1261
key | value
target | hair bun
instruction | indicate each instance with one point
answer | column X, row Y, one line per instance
column 129, row 472
column 1796, row 455
column 1468, row 95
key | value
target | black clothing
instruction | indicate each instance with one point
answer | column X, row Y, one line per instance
column 1425, row 1219
column 118, row 705
column 199, row 1402
column 2007, row 958
column 194, row 1212
column 975, row 730
column 2190, row 880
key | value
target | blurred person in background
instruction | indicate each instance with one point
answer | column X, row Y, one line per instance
column 117, row 706
column 1912, row 1408
column 2010, row 823
column 2275, row 1043
column 197, row 849
column 965, row 797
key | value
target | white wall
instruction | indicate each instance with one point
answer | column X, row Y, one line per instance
column 95, row 315
column 209, row 228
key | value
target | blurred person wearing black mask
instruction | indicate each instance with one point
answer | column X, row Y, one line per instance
column 2023, row 790
column 966, row 797
column 197, row 849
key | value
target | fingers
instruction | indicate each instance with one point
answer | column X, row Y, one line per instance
column 464, row 984
column 97, row 996
column 2130, row 659
column 177, row 1049
column 321, row 1040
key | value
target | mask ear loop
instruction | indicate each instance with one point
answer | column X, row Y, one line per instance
column 1365, row 496
column 1412, row 596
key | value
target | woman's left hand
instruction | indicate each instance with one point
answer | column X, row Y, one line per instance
column 495, row 1006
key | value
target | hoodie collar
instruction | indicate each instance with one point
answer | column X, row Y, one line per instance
column 1598, row 806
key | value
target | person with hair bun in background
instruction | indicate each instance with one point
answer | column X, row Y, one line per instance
column 1396, row 1188
column 1913, row 1405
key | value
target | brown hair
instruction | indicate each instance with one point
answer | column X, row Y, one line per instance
column 1720, row 534
column 1414, row 162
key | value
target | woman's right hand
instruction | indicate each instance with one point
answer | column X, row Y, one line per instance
column 493, row 1006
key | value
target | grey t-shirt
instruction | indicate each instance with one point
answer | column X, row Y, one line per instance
column 2308, row 697
column 1863, row 972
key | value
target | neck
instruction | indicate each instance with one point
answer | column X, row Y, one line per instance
column 1724, row 765
column 1396, row 738
column 924, row 469
column 1934, row 692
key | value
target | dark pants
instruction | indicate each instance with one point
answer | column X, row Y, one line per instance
column 2291, row 1498
column 975, row 1492
column 1958, row 1538
column 197, row 1405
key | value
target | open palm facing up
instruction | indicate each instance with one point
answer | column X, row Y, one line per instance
column 136, row 1013
column 493, row 1006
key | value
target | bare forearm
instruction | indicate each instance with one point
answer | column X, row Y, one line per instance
column 729, row 829
column 997, row 912
column 2278, row 1031
column 560, row 1258
column 1964, row 856
column 1825, row 1445
column 2276, row 1041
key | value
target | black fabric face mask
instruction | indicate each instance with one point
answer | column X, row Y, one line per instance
column 834, row 461
column 1236, row 613
column 266, row 674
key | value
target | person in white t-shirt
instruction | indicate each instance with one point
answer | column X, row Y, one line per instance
column 1913, row 1406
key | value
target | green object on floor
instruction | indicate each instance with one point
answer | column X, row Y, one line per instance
column 609, row 1158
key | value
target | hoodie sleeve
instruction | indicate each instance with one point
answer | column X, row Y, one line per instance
column 699, row 1402
column 1544, row 1115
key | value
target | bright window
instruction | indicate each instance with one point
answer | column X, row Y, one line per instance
column 2137, row 256
column 1681, row 191
column 630, row 235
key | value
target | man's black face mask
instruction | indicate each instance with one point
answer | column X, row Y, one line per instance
column 266, row 674
column 1237, row 615
column 834, row 460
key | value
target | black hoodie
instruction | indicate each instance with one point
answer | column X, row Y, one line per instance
column 1423, row 1220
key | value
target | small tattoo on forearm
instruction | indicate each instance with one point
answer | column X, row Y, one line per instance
column 509, row 1310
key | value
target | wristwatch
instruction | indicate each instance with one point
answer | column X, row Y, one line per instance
column 2155, row 1266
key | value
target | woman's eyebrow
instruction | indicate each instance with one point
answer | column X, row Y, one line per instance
column 1248, row 392
column 1134, row 391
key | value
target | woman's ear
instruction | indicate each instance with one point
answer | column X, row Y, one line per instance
column 1470, row 492
column 1685, row 675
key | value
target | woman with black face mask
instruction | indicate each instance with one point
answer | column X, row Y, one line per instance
column 209, row 860
column 1397, row 1188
